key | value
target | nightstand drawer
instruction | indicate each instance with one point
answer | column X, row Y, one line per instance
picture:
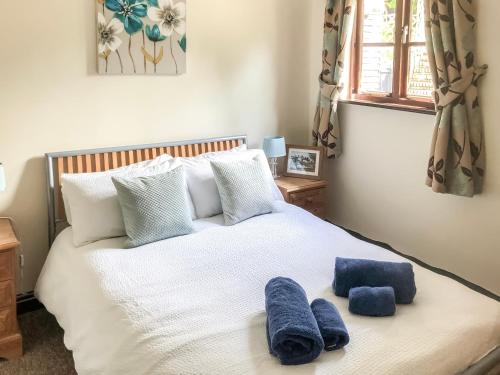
column 7, row 293
column 308, row 199
column 7, row 321
column 11, row 342
column 307, row 194
column 318, row 211
column 311, row 200
column 6, row 266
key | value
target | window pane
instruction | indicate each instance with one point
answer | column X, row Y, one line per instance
column 419, row 74
column 377, row 69
column 379, row 21
column 417, row 23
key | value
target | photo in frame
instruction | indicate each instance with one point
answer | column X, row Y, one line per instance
column 304, row 162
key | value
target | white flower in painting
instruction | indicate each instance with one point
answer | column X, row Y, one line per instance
column 170, row 17
column 107, row 38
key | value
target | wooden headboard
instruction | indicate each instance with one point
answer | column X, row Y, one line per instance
column 102, row 159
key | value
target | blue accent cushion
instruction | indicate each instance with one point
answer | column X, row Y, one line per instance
column 243, row 188
column 155, row 207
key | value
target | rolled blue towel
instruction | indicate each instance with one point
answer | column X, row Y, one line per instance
column 292, row 332
column 330, row 324
column 351, row 273
column 369, row 301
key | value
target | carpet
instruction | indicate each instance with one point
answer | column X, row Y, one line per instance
column 44, row 350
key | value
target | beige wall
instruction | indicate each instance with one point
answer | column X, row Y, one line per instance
column 244, row 76
column 252, row 68
column 377, row 186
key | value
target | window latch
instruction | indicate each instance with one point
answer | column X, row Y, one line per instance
column 404, row 35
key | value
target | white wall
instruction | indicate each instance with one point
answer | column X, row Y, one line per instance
column 245, row 75
column 377, row 186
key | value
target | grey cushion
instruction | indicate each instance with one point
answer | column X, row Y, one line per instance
column 154, row 207
column 243, row 189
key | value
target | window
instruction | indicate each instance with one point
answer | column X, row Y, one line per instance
column 389, row 59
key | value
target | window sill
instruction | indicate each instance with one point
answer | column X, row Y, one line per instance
column 397, row 107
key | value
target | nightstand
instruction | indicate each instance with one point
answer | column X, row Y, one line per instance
column 10, row 337
column 307, row 194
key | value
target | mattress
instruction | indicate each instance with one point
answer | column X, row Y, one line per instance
column 195, row 304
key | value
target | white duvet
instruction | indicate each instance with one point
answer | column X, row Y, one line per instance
column 195, row 304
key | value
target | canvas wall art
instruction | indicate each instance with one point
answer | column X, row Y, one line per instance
column 141, row 37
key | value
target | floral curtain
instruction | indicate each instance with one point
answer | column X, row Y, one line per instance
column 456, row 164
column 339, row 16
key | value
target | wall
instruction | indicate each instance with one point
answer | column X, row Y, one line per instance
column 240, row 80
column 377, row 186
column 252, row 68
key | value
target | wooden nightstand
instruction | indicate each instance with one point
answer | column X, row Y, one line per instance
column 307, row 194
column 10, row 337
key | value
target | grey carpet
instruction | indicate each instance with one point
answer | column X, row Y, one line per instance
column 44, row 351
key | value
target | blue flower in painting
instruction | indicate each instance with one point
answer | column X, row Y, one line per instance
column 129, row 12
column 154, row 34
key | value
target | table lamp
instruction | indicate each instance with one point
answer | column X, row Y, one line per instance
column 274, row 148
column 2, row 178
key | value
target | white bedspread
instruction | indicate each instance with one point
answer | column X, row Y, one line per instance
column 195, row 304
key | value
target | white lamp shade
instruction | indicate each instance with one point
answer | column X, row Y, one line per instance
column 274, row 147
column 2, row 178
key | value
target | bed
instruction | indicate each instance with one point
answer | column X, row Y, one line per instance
column 195, row 304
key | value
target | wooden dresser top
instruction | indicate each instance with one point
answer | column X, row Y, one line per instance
column 292, row 184
column 8, row 239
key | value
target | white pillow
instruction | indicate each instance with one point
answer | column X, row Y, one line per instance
column 201, row 181
column 162, row 159
column 93, row 200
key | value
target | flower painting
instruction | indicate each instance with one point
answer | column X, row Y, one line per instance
column 141, row 37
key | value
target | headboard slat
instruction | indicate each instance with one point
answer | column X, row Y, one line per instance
column 97, row 160
column 79, row 164
column 69, row 164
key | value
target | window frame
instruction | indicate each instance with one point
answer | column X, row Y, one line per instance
column 398, row 98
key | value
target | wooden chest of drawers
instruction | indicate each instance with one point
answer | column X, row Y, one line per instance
column 307, row 194
column 10, row 337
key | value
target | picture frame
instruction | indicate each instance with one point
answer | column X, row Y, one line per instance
column 304, row 162
column 136, row 38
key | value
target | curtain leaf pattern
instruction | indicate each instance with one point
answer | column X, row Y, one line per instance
column 339, row 16
column 457, row 160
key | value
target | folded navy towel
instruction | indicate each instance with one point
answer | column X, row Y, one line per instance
column 330, row 324
column 369, row 301
column 292, row 332
column 351, row 273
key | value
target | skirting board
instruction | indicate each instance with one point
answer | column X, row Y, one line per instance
column 27, row 302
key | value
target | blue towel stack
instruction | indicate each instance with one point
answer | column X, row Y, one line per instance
column 297, row 332
column 383, row 285
column 292, row 331
column 372, row 301
column 330, row 324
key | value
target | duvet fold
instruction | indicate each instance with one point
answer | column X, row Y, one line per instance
column 292, row 331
